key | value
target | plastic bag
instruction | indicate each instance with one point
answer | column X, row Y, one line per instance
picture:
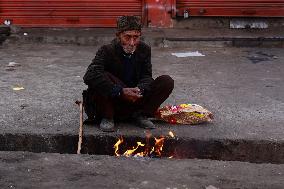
column 184, row 114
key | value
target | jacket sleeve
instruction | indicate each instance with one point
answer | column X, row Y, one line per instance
column 95, row 77
column 146, row 72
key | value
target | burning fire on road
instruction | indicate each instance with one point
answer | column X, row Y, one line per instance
column 141, row 149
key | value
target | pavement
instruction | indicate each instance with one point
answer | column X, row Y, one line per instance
column 242, row 87
column 30, row 170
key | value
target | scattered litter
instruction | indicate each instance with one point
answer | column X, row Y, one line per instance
column 18, row 88
column 77, row 76
column 25, row 34
column 210, row 187
column 187, row 54
column 13, row 64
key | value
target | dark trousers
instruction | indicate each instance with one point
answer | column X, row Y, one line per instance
column 108, row 107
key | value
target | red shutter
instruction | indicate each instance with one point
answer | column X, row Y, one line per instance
column 67, row 13
column 265, row 8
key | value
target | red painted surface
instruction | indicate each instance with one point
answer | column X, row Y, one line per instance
column 103, row 13
column 67, row 13
column 265, row 8
column 160, row 13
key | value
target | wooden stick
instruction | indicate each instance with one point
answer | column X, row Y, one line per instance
column 81, row 127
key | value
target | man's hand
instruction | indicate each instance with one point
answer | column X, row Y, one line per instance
column 131, row 94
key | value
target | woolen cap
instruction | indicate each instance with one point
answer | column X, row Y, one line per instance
column 126, row 23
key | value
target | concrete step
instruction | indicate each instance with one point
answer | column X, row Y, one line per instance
column 179, row 147
column 178, row 37
column 30, row 170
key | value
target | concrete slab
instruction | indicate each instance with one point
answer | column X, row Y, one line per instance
column 243, row 87
column 29, row 170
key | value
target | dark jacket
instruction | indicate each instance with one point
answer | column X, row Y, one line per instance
column 109, row 59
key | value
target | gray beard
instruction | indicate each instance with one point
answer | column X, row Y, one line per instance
column 129, row 50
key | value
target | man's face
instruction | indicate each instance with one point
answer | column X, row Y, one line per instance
column 129, row 40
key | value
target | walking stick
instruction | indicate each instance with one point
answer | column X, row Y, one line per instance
column 81, row 126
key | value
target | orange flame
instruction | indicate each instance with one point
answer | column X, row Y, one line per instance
column 159, row 145
column 116, row 146
column 148, row 150
column 131, row 152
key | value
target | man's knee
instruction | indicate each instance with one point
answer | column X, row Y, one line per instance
column 165, row 82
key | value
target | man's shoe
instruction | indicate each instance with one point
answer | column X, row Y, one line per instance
column 144, row 122
column 107, row 125
column 92, row 121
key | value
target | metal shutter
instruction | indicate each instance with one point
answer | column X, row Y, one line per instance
column 265, row 8
column 67, row 13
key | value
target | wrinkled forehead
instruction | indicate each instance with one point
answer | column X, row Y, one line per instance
column 131, row 33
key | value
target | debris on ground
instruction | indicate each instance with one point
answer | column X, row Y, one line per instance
column 188, row 54
column 18, row 88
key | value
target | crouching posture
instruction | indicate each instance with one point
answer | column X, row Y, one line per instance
column 119, row 79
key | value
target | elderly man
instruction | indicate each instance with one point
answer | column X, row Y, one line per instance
column 119, row 79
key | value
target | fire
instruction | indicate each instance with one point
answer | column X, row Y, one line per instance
column 143, row 149
column 130, row 152
column 116, row 146
column 159, row 145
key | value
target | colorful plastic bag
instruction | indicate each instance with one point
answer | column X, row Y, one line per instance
column 184, row 114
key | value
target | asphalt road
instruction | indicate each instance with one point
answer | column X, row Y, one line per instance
column 29, row 170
